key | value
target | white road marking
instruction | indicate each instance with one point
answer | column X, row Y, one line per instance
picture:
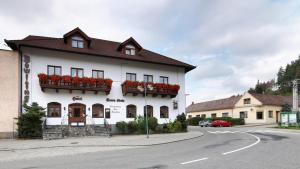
column 257, row 141
column 201, row 159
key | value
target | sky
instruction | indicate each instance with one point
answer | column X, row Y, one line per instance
column 233, row 43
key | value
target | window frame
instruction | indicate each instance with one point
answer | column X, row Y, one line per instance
column 227, row 114
column 247, row 101
column 75, row 68
column 262, row 115
column 52, row 106
column 77, row 40
column 130, row 49
column 270, row 112
column 127, row 111
column 54, row 66
column 97, row 71
column 161, row 113
column 131, row 74
column 147, row 77
column 213, row 114
column 163, row 79
column 99, row 116
column 151, row 108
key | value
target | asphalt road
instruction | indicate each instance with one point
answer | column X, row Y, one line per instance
column 219, row 148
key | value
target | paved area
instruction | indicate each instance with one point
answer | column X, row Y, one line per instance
column 26, row 149
column 218, row 148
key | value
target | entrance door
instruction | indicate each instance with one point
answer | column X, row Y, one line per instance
column 77, row 116
column 277, row 116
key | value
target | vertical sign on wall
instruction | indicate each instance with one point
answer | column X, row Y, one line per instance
column 26, row 71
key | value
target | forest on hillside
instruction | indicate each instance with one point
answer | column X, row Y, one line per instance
column 283, row 83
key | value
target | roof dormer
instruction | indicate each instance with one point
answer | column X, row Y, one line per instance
column 130, row 47
column 77, row 39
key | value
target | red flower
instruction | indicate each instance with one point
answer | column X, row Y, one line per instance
column 76, row 80
column 108, row 82
column 55, row 78
column 93, row 81
column 66, row 79
column 43, row 77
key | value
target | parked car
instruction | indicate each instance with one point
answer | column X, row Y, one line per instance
column 205, row 123
column 221, row 123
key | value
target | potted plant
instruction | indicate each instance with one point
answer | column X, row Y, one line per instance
column 43, row 78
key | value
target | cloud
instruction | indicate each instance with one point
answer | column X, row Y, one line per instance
column 233, row 43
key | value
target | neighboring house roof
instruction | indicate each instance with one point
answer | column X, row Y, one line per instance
column 227, row 103
column 274, row 100
column 98, row 47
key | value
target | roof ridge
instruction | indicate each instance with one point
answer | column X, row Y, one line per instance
column 231, row 97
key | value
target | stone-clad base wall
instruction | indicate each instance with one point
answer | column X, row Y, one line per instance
column 57, row 131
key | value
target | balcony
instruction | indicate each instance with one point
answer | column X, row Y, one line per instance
column 155, row 89
column 74, row 83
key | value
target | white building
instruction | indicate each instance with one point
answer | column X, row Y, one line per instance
column 87, row 101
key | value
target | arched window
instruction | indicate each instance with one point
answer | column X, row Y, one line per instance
column 149, row 111
column 164, row 112
column 98, row 111
column 54, row 109
column 131, row 111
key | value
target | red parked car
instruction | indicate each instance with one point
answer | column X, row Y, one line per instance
column 221, row 123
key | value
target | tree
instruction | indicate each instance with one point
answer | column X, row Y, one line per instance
column 286, row 108
column 30, row 123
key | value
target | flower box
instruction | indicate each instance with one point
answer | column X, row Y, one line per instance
column 67, row 82
column 154, row 89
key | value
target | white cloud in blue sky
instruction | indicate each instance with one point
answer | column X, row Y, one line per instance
column 233, row 43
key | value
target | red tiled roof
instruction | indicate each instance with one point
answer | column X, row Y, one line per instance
column 98, row 47
column 274, row 100
column 227, row 103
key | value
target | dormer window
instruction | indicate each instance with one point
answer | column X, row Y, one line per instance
column 129, row 50
column 77, row 42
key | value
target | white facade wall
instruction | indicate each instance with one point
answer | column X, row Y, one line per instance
column 114, row 69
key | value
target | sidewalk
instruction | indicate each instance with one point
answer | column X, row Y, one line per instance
column 24, row 149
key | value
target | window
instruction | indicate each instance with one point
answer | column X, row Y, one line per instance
column 214, row 115
column 163, row 79
column 54, row 109
column 98, row 74
column 203, row 116
column 97, row 111
column 54, row 70
column 131, row 111
column 149, row 111
column 76, row 72
column 270, row 114
column 148, row 78
column 243, row 114
column 225, row 114
column 130, row 50
column 190, row 116
column 259, row 115
column 247, row 101
column 131, row 76
column 77, row 42
column 164, row 112
column 198, row 115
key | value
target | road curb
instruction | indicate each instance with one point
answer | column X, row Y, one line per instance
column 107, row 145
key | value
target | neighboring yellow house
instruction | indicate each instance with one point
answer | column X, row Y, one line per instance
column 9, row 87
column 254, row 108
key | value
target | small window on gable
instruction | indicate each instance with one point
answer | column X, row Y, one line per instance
column 129, row 50
column 77, row 42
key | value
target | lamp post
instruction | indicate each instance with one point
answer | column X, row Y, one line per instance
column 145, row 108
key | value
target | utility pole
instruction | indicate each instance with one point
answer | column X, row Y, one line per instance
column 295, row 96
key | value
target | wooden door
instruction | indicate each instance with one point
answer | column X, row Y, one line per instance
column 77, row 113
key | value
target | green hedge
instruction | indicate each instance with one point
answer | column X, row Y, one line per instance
column 234, row 121
column 194, row 121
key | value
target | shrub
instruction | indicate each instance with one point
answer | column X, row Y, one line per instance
column 159, row 128
column 152, row 123
column 30, row 123
column 194, row 121
column 141, row 124
column 122, row 126
column 234, row 121
column 177, row 127
column 132, row 126
column 182, row 119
